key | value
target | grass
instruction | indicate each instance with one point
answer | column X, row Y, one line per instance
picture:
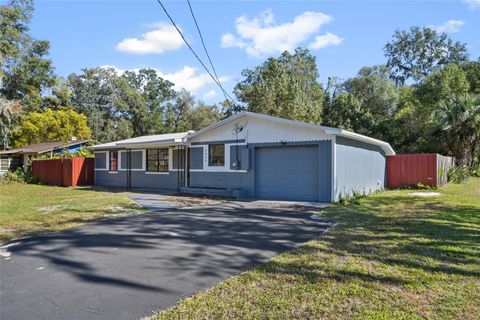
column 27, row 209
column 393, row 256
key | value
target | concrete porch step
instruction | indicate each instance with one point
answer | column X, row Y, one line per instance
column 215, row 192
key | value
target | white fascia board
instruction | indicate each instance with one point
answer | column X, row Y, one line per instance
column 150, row 144
column 110, row 145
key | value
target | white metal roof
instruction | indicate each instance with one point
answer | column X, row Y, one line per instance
column 151, row 140
column 182, row 137
column 328, row 130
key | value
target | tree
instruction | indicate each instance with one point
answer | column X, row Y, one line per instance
column 51, row 125
column 459, row 125
column 147, row 110
column 202, row 116
column 364, row 103
column 96, row 94
column 15, row 17
column 345, row 111
column 9, row 115
column 378, row 97
column 444, row 84
column 30, row 76
column 417, row 53
column 285, row 87
column 176, row 113
column 25, row 71
column 472, row 72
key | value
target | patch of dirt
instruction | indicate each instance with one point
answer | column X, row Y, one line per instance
column 425, row 194
column 118, row 211
column 5, row 230
column 52, row 208
column 191, row 201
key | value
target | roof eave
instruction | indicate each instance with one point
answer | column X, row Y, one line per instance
column 386, row 147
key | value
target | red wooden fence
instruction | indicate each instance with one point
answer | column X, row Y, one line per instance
column 406, row 170
column 77, row 171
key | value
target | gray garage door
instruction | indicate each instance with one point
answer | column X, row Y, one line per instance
column 287, row 173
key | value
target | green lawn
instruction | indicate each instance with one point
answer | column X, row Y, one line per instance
column 27, row 209
column 392, row 257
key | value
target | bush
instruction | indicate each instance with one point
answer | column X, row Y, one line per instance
column 11, row 178
column 355, row 199
column 458, row 174
column 474, row 171
column 421, row 186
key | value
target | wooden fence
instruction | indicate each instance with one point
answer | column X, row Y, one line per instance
column 408, row 170
column 77, row 171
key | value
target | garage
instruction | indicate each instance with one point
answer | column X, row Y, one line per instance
column 287, row 173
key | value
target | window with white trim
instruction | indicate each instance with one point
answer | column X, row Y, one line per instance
column 157, row 160
column 216, row 155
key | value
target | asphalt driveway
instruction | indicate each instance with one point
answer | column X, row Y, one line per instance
column 127, row 268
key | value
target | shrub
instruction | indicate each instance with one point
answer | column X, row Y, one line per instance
column 458, row 174
column 475, row 171
column 355, row 198
column 422, row 186
column 11, row 178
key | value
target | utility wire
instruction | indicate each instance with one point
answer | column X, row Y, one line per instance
column 203, row 43
column 193, row 51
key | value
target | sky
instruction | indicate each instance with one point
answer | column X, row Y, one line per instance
column 343, row 35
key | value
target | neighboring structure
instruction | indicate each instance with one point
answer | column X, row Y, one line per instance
column 249, row 155
column 14, row 158
column 409, row 170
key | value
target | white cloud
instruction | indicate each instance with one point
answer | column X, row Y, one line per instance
column 263, row 36
column 473, row 4
column 187, row 78
column 163, row 38
column 210, row 94
column 450, row 26
column 323, row 41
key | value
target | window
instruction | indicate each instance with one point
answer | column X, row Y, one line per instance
column 113, row 160
column 157, row 160
column 216, row 155
column 4, row 164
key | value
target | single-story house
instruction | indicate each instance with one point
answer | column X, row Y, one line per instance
column 14, row 158
column 249, row 155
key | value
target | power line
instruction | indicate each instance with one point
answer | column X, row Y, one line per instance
column 203, row 43
column 193, row 51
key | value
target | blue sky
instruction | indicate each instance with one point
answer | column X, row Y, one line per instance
column 343, row 35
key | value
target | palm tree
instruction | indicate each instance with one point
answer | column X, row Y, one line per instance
column 459, row 120
column 9, row 113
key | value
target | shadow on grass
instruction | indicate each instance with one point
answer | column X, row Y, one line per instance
column 396, row 231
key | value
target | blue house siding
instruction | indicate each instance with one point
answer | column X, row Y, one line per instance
column 224, row 180
column 106, row 179
column 140, row 179
column 245, row 179
column 359, row 167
